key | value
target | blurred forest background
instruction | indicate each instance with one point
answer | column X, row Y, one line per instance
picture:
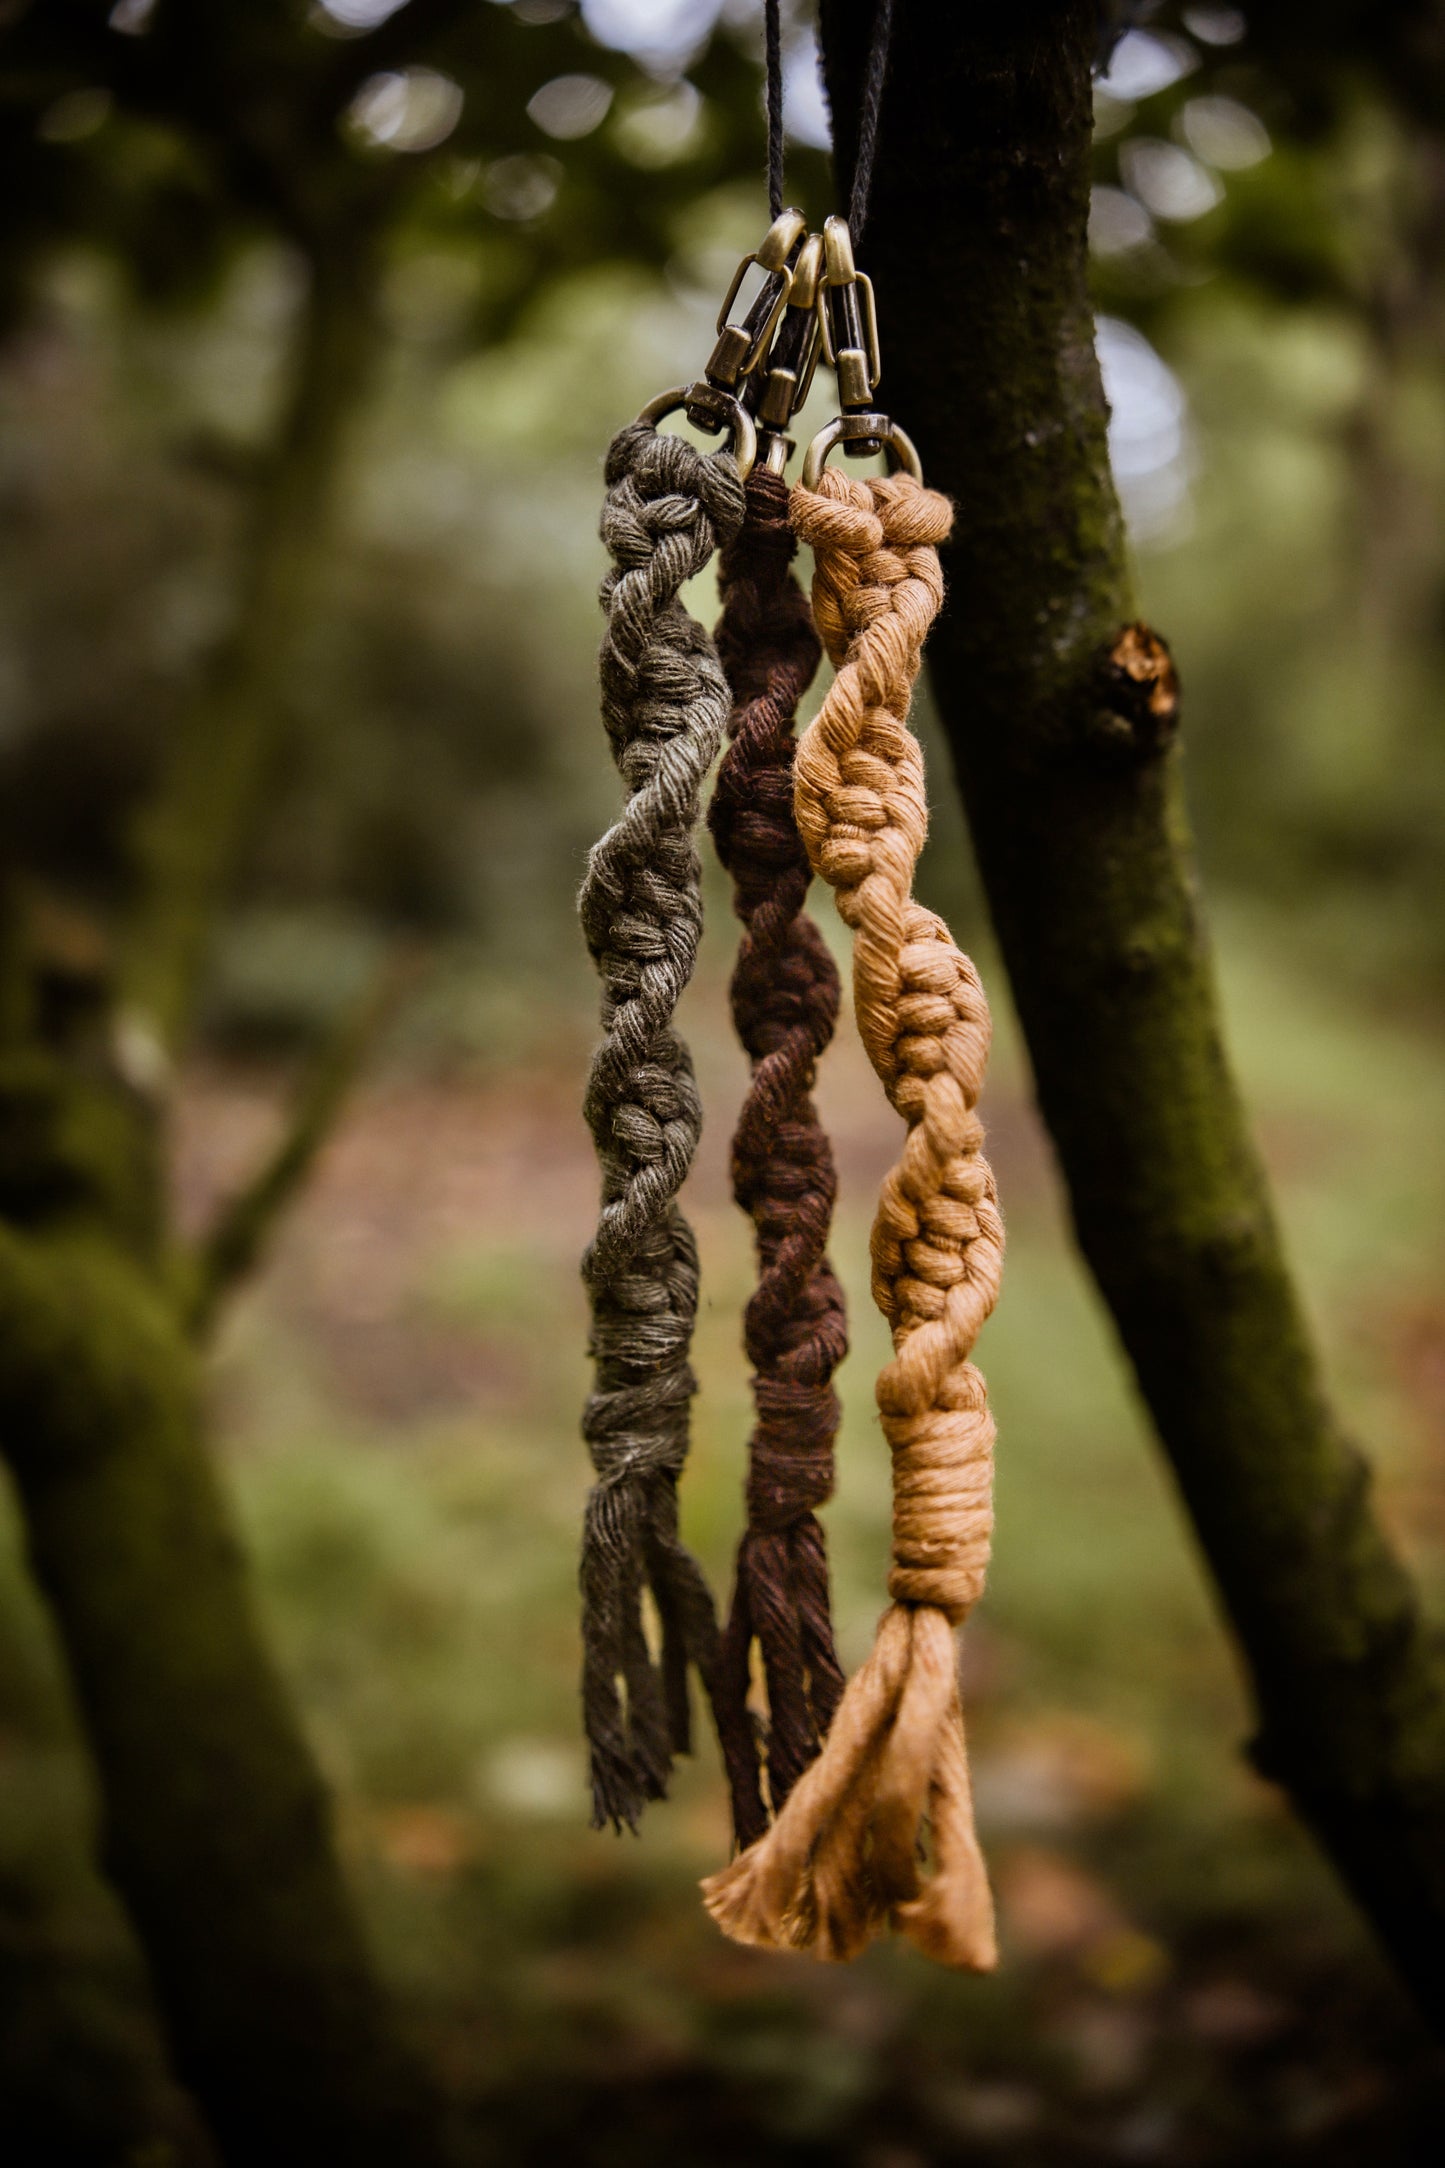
column 316, row 318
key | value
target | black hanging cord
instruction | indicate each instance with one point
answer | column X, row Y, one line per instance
column 873, row 82
column 773, row 45
column 872, row 105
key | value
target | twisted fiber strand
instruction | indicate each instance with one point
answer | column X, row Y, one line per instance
column 842, row 1860
column 664, row 702
column 785, row 996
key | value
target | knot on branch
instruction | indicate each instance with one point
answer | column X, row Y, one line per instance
column 1137, row 716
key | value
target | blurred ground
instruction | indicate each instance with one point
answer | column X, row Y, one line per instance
column 397, row 1400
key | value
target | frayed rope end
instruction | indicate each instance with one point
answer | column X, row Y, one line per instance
column 841, row 1864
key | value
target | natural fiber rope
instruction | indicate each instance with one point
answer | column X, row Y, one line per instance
column 785, row 1005
column 842, row 1860
column 664, row 702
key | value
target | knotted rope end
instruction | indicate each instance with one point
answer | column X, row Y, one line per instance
column 842, row 1861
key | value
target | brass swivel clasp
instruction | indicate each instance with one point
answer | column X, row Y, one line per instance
column 741, row 347
column 716, row 401
column 848, row 321
column 780, row 383
column 848, row 327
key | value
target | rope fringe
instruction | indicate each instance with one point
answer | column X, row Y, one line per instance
column 842, row 1861
column 785, row 996
column 664, row 702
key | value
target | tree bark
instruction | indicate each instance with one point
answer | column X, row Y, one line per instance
column 214, row 1821
column 1061, row 716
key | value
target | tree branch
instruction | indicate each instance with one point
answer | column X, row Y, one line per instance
column 233, row 1244
column 1060, row 727
column 191, row 837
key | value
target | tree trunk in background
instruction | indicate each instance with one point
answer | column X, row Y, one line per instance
column 215, row 1825
column 1060, row 717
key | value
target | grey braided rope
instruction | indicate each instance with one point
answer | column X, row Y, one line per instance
column 664, row 702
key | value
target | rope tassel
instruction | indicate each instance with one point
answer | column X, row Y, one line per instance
column 664, row 702
column 842, row 1861
column 785, row 996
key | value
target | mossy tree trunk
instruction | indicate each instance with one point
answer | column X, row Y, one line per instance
column 1061, row 717
column 215, row 1825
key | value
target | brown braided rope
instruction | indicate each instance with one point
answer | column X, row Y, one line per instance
column 843, row 1858
column 785, row 995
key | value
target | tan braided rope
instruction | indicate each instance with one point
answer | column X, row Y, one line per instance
column 842, row 1861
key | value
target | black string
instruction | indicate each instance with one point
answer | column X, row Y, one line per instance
column 872, row 105
column 873, row 81
column 773, row 45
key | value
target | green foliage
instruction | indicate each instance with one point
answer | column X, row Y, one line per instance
column 520, row 312
column 169, row 142
column 233, row 207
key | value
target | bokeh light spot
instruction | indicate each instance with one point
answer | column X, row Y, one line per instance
column 413, row 109
column 570, row 106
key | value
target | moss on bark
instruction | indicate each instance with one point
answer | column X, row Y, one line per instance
column 214, row 1823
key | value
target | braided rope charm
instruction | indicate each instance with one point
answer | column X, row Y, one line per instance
column 785, row 996
column 664, row 703
column 843, row 1859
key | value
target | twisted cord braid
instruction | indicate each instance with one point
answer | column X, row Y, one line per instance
column 842, row 1860
column 664, row 701
column 785, row 1004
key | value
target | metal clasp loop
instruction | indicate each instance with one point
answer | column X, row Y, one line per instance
column 781, row 381
column 848, row 318
column 723, row 412
column 848, row 326
column 713, row 401
column 740, row 347
column 860, row 434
